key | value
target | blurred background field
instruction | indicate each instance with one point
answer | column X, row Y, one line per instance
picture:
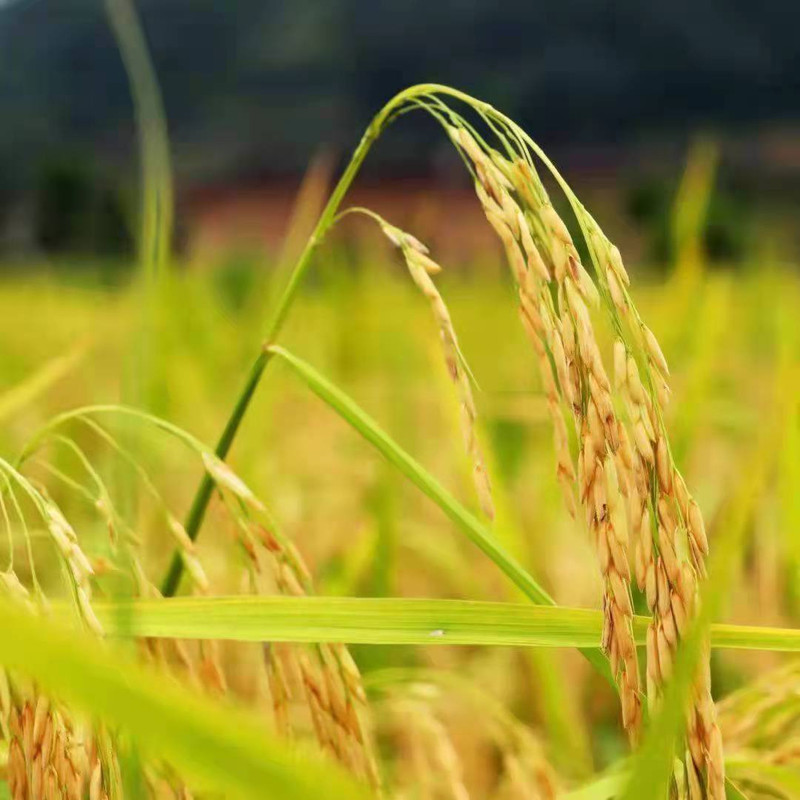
column 364, row 529
column 701, row 196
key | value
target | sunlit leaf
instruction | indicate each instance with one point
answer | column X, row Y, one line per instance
column 397, row 621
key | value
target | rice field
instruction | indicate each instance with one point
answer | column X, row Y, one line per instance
column 365, row 524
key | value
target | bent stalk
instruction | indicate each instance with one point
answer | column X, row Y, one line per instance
column 197, row 511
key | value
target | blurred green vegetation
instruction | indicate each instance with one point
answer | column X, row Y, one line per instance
column 138, row 325
column 364, row 530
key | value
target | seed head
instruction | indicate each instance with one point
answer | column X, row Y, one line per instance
column 663, row 465
column 697, row 527
column 616, row 292
column 225, row 478
column 635, row 388
column 620, row 365
column 654, row 350
column 423, row 261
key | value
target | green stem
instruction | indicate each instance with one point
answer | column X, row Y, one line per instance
column 327, row 219
column 199, row 505
column 201, row 499
column 157, row 200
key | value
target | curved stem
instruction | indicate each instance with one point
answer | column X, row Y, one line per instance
column 197, row 511
column 199, row 505
column 202, row 497
column 157, row 200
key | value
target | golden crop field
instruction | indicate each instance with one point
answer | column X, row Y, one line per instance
column 360, row 524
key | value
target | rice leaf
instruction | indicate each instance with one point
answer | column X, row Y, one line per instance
column 394, row 621
column 29, row 390
column 469, row 524
column 783, row 780
column 602, row 788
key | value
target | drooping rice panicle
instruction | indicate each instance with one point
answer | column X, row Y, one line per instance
column 574, row 377
column 764, row 716
column 329, row 681
column 665, row 522
column 48, row 754
column 48, row 757
column 436, row 763
column 422, row 268
column 671, row 542
column 438, row 702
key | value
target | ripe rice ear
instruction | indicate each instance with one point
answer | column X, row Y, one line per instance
column 422, row 267
column 327, row 677
column 574, row 377
column 671, row 579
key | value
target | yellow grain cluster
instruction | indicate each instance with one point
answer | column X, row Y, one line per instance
column 636, row 504
column 49, row 757
column 670, row 543
column 422, row 267
column 555, row 293
column 325, row 677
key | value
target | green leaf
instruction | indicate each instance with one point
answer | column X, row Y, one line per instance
column 603, row 788
column 748, row 637
column 357, row 621
column 220, row 747
column 394, row 621
column 28, row 391
column 156, row 172
column 608, row 786
column 778, row 778
column 733, row 792
column 467, row 522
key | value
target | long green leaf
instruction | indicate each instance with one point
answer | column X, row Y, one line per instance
column 609, row 785
column 602, row 788
column 358, row 621
column 222, row 748
column 367, row 427
column 393, row 621
column 468, row 523
column 733, row 792
column 151, row 122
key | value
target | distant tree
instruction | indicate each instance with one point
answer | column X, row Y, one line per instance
column 6, row 198
column 726, row 234
column 78, row 213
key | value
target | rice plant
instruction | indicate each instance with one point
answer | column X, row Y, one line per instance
column 143, row 660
